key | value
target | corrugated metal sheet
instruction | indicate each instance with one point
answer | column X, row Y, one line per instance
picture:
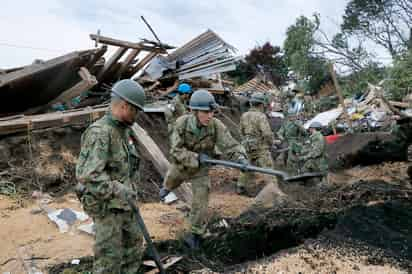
column 204, row 55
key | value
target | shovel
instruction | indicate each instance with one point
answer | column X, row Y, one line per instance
column 146, row 236
column 250, row 168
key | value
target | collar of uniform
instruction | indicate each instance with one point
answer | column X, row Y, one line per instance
column 194, row 125
column 114, row 121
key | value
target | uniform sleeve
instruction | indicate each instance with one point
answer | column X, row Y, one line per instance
column 227, row 144
column 178, row 152
column 180, row 108
column 91, row 166
column 316, row 148
column 281, row 133
column 266, row 131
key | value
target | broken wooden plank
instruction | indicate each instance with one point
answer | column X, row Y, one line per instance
column 399, row 104
column 125, row 44
column 142, row 63
column 50, row 120
column 111, row 62
column 184, row 191
column 128, row 61
column 38, row 84
column 340, row 95
column 88, row 81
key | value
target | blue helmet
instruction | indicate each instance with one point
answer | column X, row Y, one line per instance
column 184, row 88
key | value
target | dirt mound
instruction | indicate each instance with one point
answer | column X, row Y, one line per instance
column 353, row 149
column 369, row 219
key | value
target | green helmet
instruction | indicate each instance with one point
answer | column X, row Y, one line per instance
column 130, row 91
column 259, row 97
column 316, row 125
column 202, row 100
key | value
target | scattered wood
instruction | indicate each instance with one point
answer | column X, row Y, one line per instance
column 142, row 63
column 184, row 192
column 340, row 95
column 111, row 62
column 49, row 120
column 128, row 61
column 38, row 84
column 88, row 81
column 399, row 104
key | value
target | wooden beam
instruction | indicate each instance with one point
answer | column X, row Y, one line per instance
column 129, row 59
column 88, row 81
column 23, row 123
column 399, row 104
column 184, row 191
column 111, row 62
column 29, row 71
column 143, row 62
column 340, row 95
column 96, row 57
column 124, row 44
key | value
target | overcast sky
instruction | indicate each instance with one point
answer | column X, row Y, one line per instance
column 45, row 29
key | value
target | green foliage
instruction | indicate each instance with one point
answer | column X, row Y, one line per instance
column 385, row 22
column 261, row 59
column 299, row 46
column 357, row 82
column 243, row 73
column 400, row 76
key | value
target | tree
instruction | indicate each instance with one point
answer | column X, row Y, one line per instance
column 385, row 22
column 399, row 83
column 300, row 53
column 266, row 59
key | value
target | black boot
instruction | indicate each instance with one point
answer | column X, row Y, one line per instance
column 192, row 240
column 241, row 190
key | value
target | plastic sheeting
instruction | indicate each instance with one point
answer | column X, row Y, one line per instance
column 325, row 118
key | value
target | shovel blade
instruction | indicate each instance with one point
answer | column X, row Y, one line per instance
column 304, row 176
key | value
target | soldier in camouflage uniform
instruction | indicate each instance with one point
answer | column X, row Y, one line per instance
column 108, row 169
column 314, row 157
column 257, row 139
column 292, row 133
column 195, row 137
column 177, row 107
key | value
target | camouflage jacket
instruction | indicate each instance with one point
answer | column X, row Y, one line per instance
column 315, row 151
column 256, row 132
column 108, row 153
column 292, row 133
column 177, row 108
column 291, row 130
column 189, row 139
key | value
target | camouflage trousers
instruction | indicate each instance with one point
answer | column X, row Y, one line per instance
column 261, row 159
column 293, row 163
column 200, row 182
column 118, row 248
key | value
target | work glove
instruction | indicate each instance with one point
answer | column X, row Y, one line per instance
column 79, row 189
column 123, row 192
column 163, row 193
column 202, row 159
